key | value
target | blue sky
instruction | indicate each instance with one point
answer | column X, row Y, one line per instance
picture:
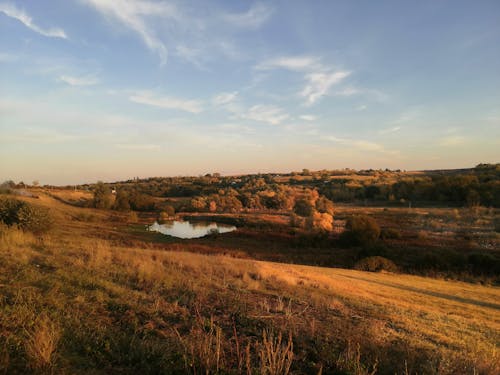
column 112, row 89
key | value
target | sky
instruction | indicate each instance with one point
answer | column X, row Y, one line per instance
column 115, row 89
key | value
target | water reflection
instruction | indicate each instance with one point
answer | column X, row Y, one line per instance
column 186, row 229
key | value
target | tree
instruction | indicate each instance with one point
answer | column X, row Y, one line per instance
column 122, row 202
column 212, row 206
column 102, row 196
column 303, row 207
column 141, row 202
column 198, row 204
column 324, row 205
column 321, row 222
column 164, row 216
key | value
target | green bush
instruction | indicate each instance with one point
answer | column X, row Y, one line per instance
column 376, row 264
column 26, row 216
column 360, row 230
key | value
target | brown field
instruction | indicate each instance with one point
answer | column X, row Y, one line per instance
column 98, row 295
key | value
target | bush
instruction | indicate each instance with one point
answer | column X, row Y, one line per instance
column 132, row 217
column 166, row 215
column 322, row 222
column 376, row 264
column 26, row 216
column 303, row 208
column 360, row 229
column 390, row 234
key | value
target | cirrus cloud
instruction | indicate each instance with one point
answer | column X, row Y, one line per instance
column 167, row 102
column 11, row 11
column 135, row 15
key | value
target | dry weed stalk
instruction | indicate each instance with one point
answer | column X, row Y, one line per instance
column 350, row 360
column 203, row 352
column 275, row 357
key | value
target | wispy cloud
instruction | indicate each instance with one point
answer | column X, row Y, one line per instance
column 318, row 84
column 78, row 81
column 195, row 56
column 318, row 77
column 348, row 91
column 134, row 15
column 11, row 11
column 357, row 143
column 294, row 63
column 393, row 129
column 361, row 107
column 147, row 98
column 224, row 98
column 256, row 16
column 308, row 117
column 266, row 113
column 407, row 116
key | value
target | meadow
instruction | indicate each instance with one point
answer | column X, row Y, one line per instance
column 99, row 294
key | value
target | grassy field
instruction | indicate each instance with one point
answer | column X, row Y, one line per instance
column 98, row 295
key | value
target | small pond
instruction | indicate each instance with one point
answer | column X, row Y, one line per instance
column 186, row 229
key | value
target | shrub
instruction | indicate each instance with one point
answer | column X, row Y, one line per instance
column 163, row 217
column 26, row 216
column 360, row 229
column 132, row 217
column 390, row 234
column 322, row 222
column 324, row 205
column 303, row 208
column 376, row 264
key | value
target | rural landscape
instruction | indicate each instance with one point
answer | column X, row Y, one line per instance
column 400, row 276
column 253, row 187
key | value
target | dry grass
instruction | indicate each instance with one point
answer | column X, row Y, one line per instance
column 145, row 310
column 350, row 361
column 275, row 356
column 203, row 352
column 41, row 343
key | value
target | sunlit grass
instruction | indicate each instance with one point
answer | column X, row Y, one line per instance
column 73, row 303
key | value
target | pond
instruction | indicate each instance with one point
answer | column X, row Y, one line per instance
column 186, row 229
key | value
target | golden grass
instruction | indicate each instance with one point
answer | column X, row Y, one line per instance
column 41, row 343
column 187, row 297
column 275, row 356
column 71, row 195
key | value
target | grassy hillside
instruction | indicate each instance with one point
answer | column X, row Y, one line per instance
column 91, row 297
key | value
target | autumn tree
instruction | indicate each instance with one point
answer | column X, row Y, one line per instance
column 324, row 205
column 102, row 196
column 303, row 207
column 122, row 202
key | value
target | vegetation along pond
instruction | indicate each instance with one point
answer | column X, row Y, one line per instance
column 186, row 229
